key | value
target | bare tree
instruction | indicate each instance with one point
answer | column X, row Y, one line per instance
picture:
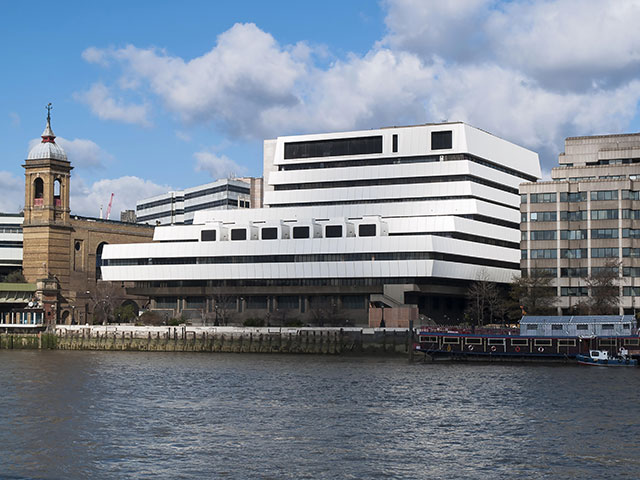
column 224, row 306
column 485, row 302
column 533, row 293
column 604, row 291
column 105, row 298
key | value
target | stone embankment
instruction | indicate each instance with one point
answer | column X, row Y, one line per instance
column 217, row 339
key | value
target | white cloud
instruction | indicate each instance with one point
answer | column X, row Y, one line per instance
column 81, row 152
column 86, row 199
column 12, row 188
column 102, row 104
column 531, row 72
column 218, row 166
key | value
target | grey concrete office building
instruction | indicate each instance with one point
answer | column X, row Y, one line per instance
column 586, row 218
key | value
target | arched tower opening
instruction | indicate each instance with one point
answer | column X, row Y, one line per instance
column 38, row 192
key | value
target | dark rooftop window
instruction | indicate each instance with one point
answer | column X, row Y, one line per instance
column 208, row 235
column 367, row 230
column 333, row 231
column 441, row 140
column 300, row 232
column 239, row 234
column 333, row 148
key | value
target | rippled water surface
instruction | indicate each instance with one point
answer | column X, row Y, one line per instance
column 119, row 415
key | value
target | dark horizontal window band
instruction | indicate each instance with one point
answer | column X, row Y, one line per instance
column 10, row 244
column 192, row 208
column 395, row 181
column 10, row 262
column 197, row 194
column 223, row 188
column 333, row 147
column 298, row 282
column 369, row 162
column 393, row 200
column 159, row 203
column 320, row 257
column 155, row 216
column 463, row 236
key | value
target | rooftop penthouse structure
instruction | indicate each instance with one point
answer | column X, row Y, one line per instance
column 394, row 216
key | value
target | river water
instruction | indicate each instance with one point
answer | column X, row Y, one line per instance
column 113, row 415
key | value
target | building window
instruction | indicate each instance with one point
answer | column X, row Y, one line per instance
column 394, row 146
column 269, row 233
column 573, row 216
column 543, row 198
column 604, row 253
column 367, row 230
column 543, row 216
column 544, row 253
column 523, row 198
column 333, row 148
column 631, row 252
column 573, row 197
column 574, row 291
column 300, row 232
column 573, row 234
column 208, row 235
column 605, row 233
column 239, row 234
column 609, row 214
column 573, row 253
column 543, row 235
column 441, row 140
column 333, row 231
column 604, row 195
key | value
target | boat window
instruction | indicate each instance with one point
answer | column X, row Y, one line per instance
column 543, row 342
column 607, row 342
column 607, row 326
column 521, row 342
column 626, row 326
column 566, row 342
column 473, row 341
column 425, row 339
column 556, row 326
column 631, row 341
column 532, row 326
column 495, row 341
column 454, row 340
column 582, row 326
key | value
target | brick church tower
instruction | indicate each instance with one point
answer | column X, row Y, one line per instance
column 47, row 226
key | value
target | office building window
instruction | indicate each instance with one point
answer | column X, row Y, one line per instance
column 394, row 146
column 208, row 235
column 605, row 233
column 367, row 230
column 543, row 216
column 604, row 195
column 441, row 140
column 269, row 233
column 239, row 234
column 543, row 198
column 300, row 232
column 333, row 231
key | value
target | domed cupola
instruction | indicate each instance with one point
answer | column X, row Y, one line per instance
column 47, row 148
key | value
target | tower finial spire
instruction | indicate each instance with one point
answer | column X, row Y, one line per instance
column 47, row 135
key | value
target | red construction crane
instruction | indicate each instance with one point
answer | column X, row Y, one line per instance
column 109, row 207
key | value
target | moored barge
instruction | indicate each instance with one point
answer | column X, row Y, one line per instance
column 539, row 338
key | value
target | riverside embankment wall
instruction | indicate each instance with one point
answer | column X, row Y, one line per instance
column 217, row 339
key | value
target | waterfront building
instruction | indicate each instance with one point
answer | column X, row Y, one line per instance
column 10, row 243
column 61, row 248
column 586, row 218
column 179, row 207
column 391, row 217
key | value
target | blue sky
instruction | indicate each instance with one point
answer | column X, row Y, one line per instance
column 150, row 96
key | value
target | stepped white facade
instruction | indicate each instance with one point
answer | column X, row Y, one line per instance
column 10, row 242
column 407, row 215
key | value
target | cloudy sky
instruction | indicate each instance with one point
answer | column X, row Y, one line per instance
column 150, row 96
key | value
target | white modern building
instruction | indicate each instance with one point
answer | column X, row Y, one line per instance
column 178, row 207
column 394, row 216
column 10, row 242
